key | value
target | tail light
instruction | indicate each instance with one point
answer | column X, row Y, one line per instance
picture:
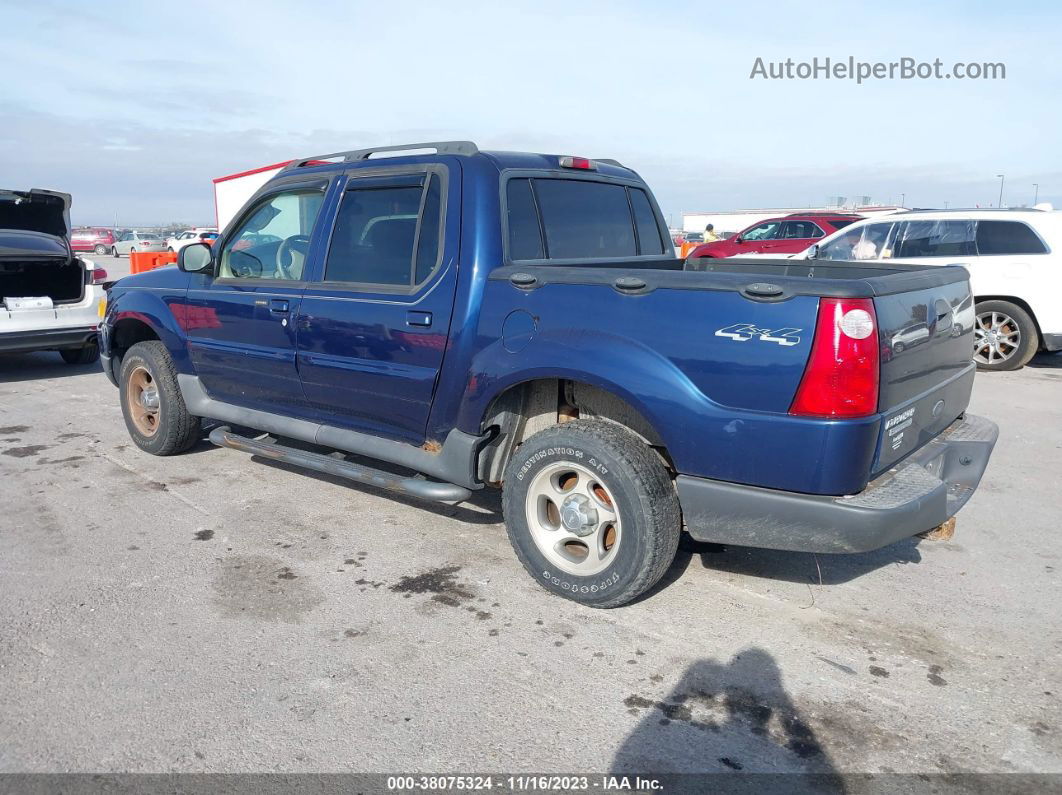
column 99, row 276
column 583, row 163
column 841, row 377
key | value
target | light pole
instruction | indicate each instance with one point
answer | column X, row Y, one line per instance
column 1036, row 192
column 1001, row 178
column 903, row 199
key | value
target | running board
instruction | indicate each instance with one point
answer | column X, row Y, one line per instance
column 330, row 465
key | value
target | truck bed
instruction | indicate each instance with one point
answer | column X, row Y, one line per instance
column 737, row 395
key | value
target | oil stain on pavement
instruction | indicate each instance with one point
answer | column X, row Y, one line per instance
column 263, row 588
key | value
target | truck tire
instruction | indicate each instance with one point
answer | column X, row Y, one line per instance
column 1005, row 336
column 155, row 413
column 85, row 355
column 591, row 512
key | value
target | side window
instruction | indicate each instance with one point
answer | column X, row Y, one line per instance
column 874, row 244
column 799, row 230
column 584, row 219
column 844, row 247
column 430, row 231
column 387, row 235
column 525, row 236
column 1007, row 237
column 649, row 241
column 935, row 239
column 767, row 231
column 272, row 242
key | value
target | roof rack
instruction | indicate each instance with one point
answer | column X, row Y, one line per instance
column 826, row 213
column 972, row 210
column 441, row 147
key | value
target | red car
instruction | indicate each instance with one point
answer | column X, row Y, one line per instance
column 95, row 239
column 789, row 234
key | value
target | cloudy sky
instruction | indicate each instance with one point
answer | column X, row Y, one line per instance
column 133, row 107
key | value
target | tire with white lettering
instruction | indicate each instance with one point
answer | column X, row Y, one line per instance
column 591, row 512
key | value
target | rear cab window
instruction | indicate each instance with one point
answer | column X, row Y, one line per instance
column 568, row 219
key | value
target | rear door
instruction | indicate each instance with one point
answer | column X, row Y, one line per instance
column 373, row 324
column 240, row 332
column 795, row 237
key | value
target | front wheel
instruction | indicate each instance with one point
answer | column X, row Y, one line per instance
column 591, row 512
column 1005, row 337
column 114, row 252
column 155, row 413
column 100, row 250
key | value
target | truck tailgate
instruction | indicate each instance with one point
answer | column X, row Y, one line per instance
column 926, row 373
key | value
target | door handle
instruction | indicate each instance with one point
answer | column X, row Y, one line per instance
column 416, row 318
column 278, row 306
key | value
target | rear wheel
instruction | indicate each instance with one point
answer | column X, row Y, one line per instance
column 86, row 355
column 1005, row 337
column 591, row 512
column 155, row 413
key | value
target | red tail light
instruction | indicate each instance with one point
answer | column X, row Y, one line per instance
column 99, row 276
column 841, row 377
column 584, row 163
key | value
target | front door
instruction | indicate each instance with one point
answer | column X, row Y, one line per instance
column 373, row 325
column 241, row 334
column 760, row 239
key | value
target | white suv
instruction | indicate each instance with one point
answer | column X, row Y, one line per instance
column 1014, row 258
column 50, row 299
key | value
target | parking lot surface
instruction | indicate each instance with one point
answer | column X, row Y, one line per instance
column 210, row 612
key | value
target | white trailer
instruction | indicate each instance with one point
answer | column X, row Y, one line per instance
column 232, row 192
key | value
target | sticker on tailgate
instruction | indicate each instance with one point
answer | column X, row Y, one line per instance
column 743, row 332
column 895, row 426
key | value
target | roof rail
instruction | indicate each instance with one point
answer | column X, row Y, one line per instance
column 972, row 210
column 825, row 213
column 441, row 147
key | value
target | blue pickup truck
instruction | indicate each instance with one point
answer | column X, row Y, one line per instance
column 474, row 319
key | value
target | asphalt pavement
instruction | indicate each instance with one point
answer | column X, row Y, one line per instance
column 212, row 612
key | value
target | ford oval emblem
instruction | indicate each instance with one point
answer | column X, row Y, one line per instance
column 938, row 408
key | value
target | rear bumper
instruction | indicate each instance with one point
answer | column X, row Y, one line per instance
column 921, row 492
column 47, row 339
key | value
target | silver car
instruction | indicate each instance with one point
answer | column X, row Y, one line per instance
column 137, row 241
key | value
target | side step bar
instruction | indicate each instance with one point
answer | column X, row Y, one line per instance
column 331, row 465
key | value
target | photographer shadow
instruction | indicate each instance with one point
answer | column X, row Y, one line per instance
column 725, row 719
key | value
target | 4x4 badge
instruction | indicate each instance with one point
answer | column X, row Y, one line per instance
column 743, row 332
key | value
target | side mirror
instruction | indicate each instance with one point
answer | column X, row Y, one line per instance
column 813, row 251
column 195, row 258
column 739, row 239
